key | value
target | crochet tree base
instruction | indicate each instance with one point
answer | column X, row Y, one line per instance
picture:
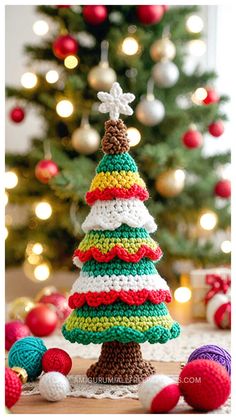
column 120, row 363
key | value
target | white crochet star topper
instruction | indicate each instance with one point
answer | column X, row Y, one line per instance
column 115, row 102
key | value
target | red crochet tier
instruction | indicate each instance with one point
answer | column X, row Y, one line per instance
column 107, row 194
column 117, row 251
column 95, row 299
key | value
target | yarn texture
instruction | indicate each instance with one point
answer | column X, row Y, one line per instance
column 109, row 215
column 55, row 359
column 205, row 384
column 12, row 388
column 214, row 353
column 54, row 386
column 27, row 353
column 119, row 298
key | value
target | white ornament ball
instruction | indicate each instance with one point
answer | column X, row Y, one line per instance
column 54, row 386
column 165, row 74
column 218, row 311
column 150, row 112
column 158, row 394
column 101, row 77
column 85, row 139
column 163, row 48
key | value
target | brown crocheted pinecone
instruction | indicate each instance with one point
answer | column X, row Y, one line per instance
column 115, row 140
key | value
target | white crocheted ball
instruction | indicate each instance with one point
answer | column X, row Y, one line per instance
column 54, row 386
column 158, row 394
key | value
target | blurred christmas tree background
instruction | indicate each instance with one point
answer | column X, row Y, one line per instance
column 84, row 49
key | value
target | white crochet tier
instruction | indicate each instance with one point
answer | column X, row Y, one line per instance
column 109, row 215
column 86, row 283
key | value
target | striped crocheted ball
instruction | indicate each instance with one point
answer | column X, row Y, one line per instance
column 159, row 394
column 27, row 353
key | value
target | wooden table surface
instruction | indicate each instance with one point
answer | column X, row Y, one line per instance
column 35, row 404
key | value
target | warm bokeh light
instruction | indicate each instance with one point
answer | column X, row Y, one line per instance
column 6, row 233
column 29, row 80
column 180, row 175
column 199, row 95
column 43, row 210
column 194, row 24
column 226, row 246
column 40, row 27
column 134, row 136
column 182, row 294
column 11, row 180
column 52, row 76
column 5, row 199
column 64, row 108
column 71, row 61
column 42, row 272
column 130, row 46
column 208, row 220
column 37, row 249
column 197, row 47
column 34, row 259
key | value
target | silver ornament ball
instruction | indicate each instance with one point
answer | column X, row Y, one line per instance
column 163, row 48
column 85, row 139
column 150, row 112
column 101, row 77
column 165, row 74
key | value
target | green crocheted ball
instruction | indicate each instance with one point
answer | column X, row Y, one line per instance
column 27, row 353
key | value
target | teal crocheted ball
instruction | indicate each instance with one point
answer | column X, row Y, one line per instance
column 27, row 353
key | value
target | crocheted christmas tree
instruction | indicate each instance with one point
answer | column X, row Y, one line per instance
column 119, row 298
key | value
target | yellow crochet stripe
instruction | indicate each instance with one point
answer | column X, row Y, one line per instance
column 100, row 324
column 106, row 244
column 115, row 179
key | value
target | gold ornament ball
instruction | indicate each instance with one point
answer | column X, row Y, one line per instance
column 101, row 77
column 19, row 308
column 21, row 373
column 170, row 183
column 85, row 140
column 163, row 49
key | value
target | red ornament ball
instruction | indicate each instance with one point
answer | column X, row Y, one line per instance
column 66, row 6
column 223, row 188
column 12, row 388
column 218, row 311
column 212, row 97
column 216, row 129
column 148, row 15
column 205, row 384
column 17, row 114
column 46, row 170
column 14, row 331
column 159, row 394
column 192, row 139
column 41, row 320
column 95, row 14
column 60, row 304
column 56, row 359
column 65, row 45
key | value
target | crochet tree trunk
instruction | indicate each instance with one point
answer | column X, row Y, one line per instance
column 119, row 297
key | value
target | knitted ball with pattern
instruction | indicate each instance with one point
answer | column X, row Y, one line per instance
column 205, row 384
column 12, row 388
column 55, row 359
column 54, row 386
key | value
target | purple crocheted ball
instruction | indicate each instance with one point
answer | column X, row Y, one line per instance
column 214, row 353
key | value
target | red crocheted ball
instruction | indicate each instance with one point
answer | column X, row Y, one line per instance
column 12, row 388
column 56, row 359
column 14, row 331
column 205, row 384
